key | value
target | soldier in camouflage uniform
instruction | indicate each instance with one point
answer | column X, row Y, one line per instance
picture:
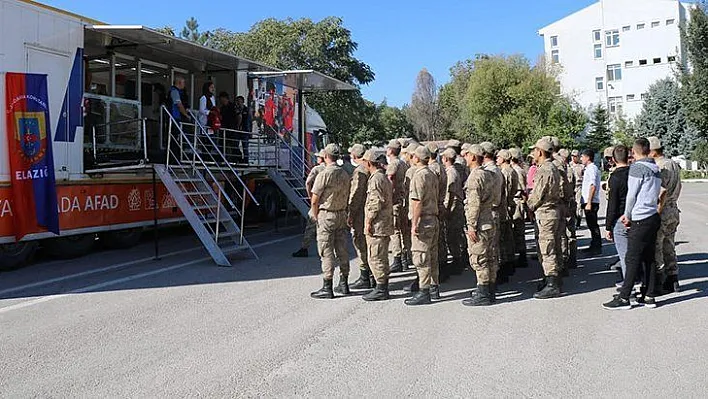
column 569, row 246
column 667, row 263
column 454, row 209
column 437, row 167
column 310, row 234
column 545, row 202
column 481, row 225
column 462, row 171
column 330, row 196
column 577, row 167
column 396, row 172
column 519, row 216
column 378, row 223
column 357, row 197
column 423, row 213
column 499, row 204
column 507, row 252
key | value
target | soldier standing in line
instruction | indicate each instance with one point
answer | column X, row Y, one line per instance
column 378, row 223
column 423, row 212
column 310, row 234
column 519, row 215
column 507, row 251
column 570, row 251
column 357, row 197
column 407, row 152
column 577, row 168
column 667, row 263
column 609, row 166
column 437, row 167
column 481, row 225
column 545, row 201
column 454, row 209
column 396, row 172
column 499, row 208
column 330, row 196
column 462, row 172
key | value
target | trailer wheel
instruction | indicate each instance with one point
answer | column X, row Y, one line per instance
column 270, row 200
column 16, row 255
column 69, row 247
column 121, row 239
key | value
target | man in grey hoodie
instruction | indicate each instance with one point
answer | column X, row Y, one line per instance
column 641, row 217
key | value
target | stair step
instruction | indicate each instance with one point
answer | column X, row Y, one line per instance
column 187, row 180
column 196, row 193
column 233, row 248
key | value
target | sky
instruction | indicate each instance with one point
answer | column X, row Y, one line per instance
column 396, row 38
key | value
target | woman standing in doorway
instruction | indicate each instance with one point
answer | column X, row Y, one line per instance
column 206, row 102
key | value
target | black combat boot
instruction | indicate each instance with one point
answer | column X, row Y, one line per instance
column 363, row 282
column 325, row 292
column 343, row 287
column 502, row 277
column 372, row 280
column 412, row 287
column 482, row 296
column 522, row 262
column 396, row 266
column 435, row 292
column 551, row 290
column 406, row 263
column 380, row 293
column 422, row 297
column 572, row 258
column 300, row 253
column 493, row 292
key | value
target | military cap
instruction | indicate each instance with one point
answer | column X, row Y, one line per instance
column 516, row 153
column 404, row 141
column 473, row 149
column 412, row 147
column 488, row 147
column 394, row 144
column 504, row 154
column 372, row 155
column 453, row 144
column 609, row 152
column 544, row 143
column 555, row 141
column 357, row 150
column 321, row 154
column 422, row 152
column 333, row 150
column 449, row 154
column 575, row 153
column 564, row 153
column 654, row 143
column 433, row 148
column 465, row 146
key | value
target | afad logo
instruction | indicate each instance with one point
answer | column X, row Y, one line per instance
column 31, row 134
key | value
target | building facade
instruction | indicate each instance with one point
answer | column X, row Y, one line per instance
column 610, row 52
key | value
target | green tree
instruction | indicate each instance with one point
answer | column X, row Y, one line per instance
column 566, row 120
column 599, row 136
column 394, row 121
column 700, row 154
column 191, row 32
column 624, row 131
column 694, row 81
column 167, row 30
column 663, row 116
column 424, row 111
column 451, row 100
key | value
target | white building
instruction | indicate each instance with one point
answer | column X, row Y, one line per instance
column 613, row 50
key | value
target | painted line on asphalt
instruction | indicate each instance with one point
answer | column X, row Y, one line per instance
column 93, row 287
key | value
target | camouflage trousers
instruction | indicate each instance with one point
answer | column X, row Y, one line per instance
column 506, row 241
column 665, row 254
column 332, row 243
column 455, row 234
column 549, row 245
column 377, row 248
column 441, row 253
column 569, row 243
column 482, row 259
column 359, row 240
column 424, row 248
column 401, row 239
column 310, row 234
column 519, row 229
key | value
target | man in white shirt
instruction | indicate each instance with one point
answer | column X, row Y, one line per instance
column 591, row 199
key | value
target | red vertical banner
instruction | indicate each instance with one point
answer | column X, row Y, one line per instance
column 30, row 149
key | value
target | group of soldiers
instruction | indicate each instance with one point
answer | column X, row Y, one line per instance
column 441, row 210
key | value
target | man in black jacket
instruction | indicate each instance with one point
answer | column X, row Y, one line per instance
column 617, row 188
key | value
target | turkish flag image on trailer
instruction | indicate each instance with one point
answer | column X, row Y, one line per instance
column 30, row 149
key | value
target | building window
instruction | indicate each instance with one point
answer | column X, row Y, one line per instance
column 555, row 58
column 628, row 64
column 614, row 105
column 657, row 60
column 671, row 58
column 614, row 72
column 642, row 62
column 626, row 28
column 640, row 26
column 596, row 35
column 670, row 21
column 598, row 50
column 644, row 96
column 655, row 24
column 599, row 83
column 630, row 97
column 612, row 38
column 554, row 41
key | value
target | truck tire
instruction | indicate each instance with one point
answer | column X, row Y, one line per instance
column 69, row 247
column 120, row 239
column 269, row 198
column 14, row 256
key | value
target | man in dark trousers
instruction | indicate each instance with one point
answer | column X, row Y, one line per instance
column 641, row 217
column 591, row 199
column 617, row 187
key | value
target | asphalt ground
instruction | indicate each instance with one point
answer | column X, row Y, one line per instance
column 120, row 324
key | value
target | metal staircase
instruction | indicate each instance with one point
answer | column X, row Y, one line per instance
column 291, row 171
column 207, row 189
